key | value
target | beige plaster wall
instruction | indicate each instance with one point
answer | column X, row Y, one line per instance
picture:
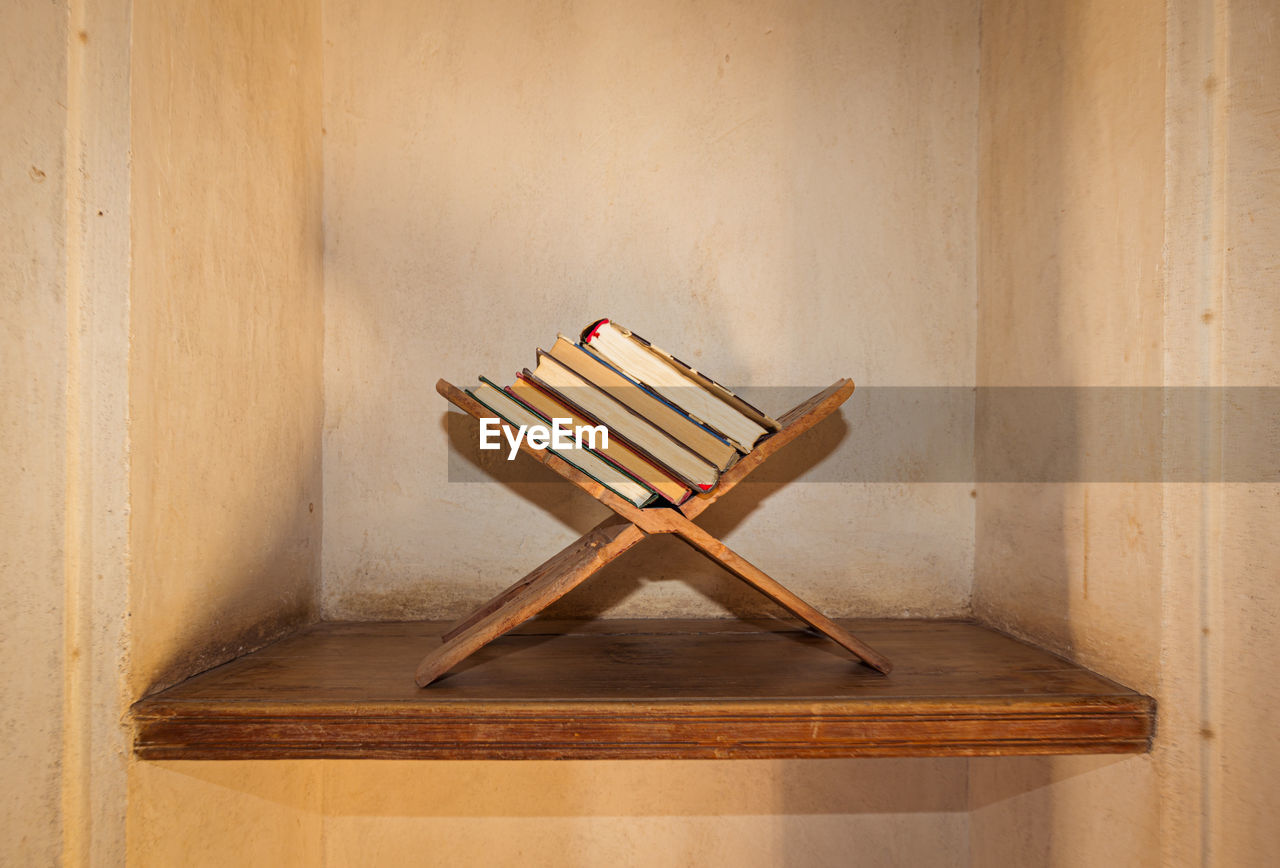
column 741, row 812
column 226, row 378
column 63, row 552
column 33, row 441
column 1243, row 600
column 225, row 384
column 1127, row 238
column 781, row 192
column 1071, row 204
column 1070, row 294
column 1096, row 123
column 96, row 732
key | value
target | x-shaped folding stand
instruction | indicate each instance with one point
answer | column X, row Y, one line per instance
column 581, row 559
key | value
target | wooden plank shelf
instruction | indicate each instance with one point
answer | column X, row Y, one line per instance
column 644, row 689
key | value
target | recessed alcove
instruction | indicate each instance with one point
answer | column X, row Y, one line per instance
column 805, row 205
column 650, row 689
column 249, row 237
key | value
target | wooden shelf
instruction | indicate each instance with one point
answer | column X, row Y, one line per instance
column 658, row 689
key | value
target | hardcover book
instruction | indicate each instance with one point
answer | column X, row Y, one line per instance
column 640, row 434
column 671, row 419
column 698, row 395
column 548, row 405
column 516, row 414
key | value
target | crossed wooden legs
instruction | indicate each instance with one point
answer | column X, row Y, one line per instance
column 560, row 574
column 580, row 560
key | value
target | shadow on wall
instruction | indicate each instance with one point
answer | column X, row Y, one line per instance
column 650, row 812
column 1067, row 165
column 288, row 551
column 1020, row 538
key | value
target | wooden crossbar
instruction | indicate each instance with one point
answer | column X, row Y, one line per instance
column 629, row 524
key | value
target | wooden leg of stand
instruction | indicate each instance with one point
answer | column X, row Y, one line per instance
column 515, row 590
column 551, row 581
column 771, row 588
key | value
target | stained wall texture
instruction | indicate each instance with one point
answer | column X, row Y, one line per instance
column 1070, row 293
column 1115, row 190
column 1071, row 207
column 781, row 193
column 1127, row 224
column 225, row 381
column 64, row 279
column 659, row 813
column 1241, row 633
column 33, row 381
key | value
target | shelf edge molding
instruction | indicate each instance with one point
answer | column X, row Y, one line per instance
column 661, row 689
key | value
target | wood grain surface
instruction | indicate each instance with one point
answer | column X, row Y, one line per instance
column 605, row 689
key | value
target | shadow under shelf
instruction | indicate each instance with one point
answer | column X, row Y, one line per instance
column 644, row 689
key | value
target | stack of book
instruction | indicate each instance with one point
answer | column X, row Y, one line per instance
column 671, row 431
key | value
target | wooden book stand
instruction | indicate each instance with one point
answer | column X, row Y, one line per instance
column 581, row 559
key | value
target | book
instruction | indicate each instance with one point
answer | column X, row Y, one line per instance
column 514, row 413
column 674, row 421
column 638, row 433
column 698, row 395
column 549, row 406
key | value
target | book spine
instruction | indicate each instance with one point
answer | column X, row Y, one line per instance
column 689, row 485
column 683, row 411
column 693, row 420
column 725, row 394
column 621, row 406
column 753, row 413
